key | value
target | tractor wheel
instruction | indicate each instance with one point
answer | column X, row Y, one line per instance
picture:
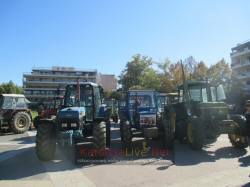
column 238, row 141
column 21, row 122
column 180, row 131
column 45, row 142
column 195, row 134
column 126, row 134
column 168, row 133
column 99, row 135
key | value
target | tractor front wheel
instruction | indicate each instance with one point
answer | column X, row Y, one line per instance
column 99, row 135
column 45, row 141
column 168, row 133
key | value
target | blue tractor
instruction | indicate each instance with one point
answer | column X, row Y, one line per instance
column 82, row 115
column 138, row 113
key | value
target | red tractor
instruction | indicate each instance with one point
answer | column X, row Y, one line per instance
column 49, row 111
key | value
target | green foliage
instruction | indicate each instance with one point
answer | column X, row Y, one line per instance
column 220, row 72
column 151, row 79
column 134, row 71
column 10, row 88
column 139, row 73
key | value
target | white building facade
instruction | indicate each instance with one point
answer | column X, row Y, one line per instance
column 240, row 64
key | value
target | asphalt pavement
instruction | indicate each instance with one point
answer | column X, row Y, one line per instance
column 216, row 165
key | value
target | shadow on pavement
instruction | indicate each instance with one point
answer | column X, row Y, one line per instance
column 25, row 164
column 185, row 156
column 25, row 140
column 245, row 161
column 246, row 185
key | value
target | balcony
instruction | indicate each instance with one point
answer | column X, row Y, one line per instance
column 50, row 83
column 240, row 65
column 240, row 53
column 59, row 76
column 45, row 89
column 243, row 75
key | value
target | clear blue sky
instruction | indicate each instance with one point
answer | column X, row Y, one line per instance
column 103, row 35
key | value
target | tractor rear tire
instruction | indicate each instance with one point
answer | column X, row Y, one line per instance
column 168, row 133
column 45, row 141
column 126, row 134
column 195, row 134
column 21, row 122
column 99, row 135
column 239, row 139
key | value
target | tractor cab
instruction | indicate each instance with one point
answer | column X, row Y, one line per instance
column 141, row 106
column 13, row 101
column 202, row 97
column 112, row 105
column 85, row 99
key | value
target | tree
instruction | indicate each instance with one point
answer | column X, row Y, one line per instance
column 151, row 79
column 134, row 71
column 200, row 71
column 219, row 73
column 165, row 76
column 10, row 88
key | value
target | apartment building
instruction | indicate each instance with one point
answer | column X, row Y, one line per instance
column 240, row 64
column 43, row 84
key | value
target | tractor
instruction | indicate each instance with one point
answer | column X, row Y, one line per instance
column 81, row 116
column 14, row 113
column 113, row 106
column 164, row 99
column 138, row 117
column 49, row 111
column 201, row 115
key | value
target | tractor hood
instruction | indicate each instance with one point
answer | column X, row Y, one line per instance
column 71, row 113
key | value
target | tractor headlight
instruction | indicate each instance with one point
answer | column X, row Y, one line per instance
column 64, row 125
column 73, row 125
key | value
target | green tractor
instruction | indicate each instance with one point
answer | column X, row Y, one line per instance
column 201, row 115
column 112, row 104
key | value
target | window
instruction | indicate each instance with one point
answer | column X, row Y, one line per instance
column 141, row 100
column 8, row 103
column 86, row 97
column 20, row 102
